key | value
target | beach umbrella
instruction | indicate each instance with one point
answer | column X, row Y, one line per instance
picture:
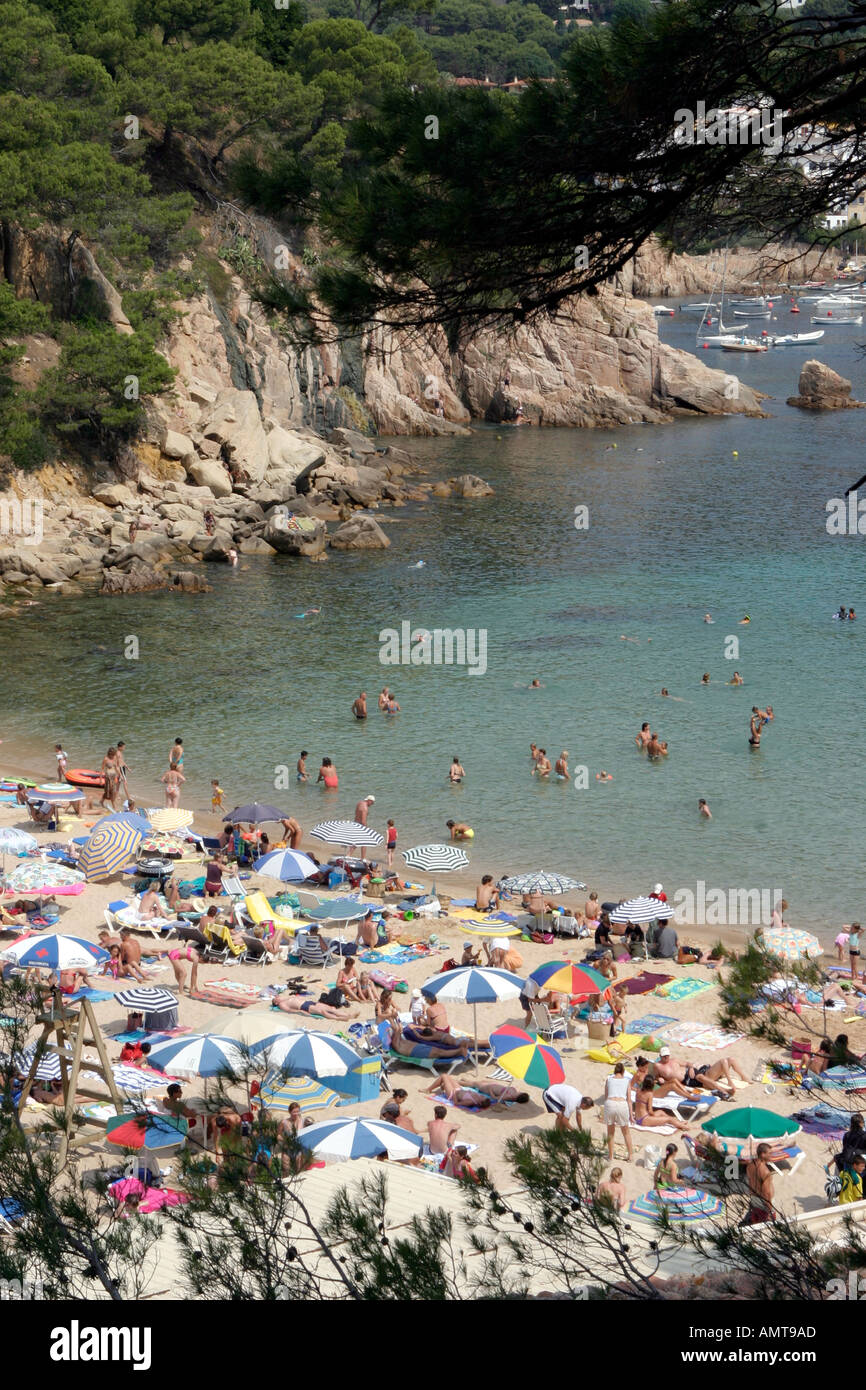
column 49, row 1063
column 55, row 953
column 338, row 910
column 279, row 1092
column 639, row 910
column 751, row 1122
column 129, row 818
column 490, row 927
column 57, row 798
column 16, row 842
column 790, row 944
column 170, row 818
column 108, row 850
column 146, row 998
column 146, row 1131
column 40, row 876
column 524, row 1057
column 436, row 859
column 307, row 1053
column 288, row 865
column 198, row 1055
column 680, row 1204
column 255, row 813
column 356, row 1138
column 159, row 842
column 474, row 984
column 566, row 978
column 250, row 1026
column 346, row 833
column 542, row 882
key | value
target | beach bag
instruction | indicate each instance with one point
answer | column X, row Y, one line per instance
column 542, row 938
column 334, row 997
column 833, row 1188
column 652, row 1156
column 449, row 965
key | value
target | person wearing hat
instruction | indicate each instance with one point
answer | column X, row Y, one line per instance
column 658, row 892
column 362, row 810
column 416, row 1007
column 471, row 954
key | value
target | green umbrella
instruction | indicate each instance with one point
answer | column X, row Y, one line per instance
column 751, row 1122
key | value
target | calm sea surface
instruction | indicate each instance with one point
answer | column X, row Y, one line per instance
column 726, row 516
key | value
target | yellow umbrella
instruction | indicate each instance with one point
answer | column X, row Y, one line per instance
column 170, row 818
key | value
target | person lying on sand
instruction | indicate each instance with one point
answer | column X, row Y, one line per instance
column 464, row 1096
column 291, row 1004
column 433, row 1046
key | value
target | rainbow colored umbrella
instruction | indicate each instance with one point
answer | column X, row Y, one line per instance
column 565, row 978
column 679, row 1204
column 524, row 1057
column 146, row 1131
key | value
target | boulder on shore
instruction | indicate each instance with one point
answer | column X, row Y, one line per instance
column 823, row 389
column 306, row 539
column 360, row 533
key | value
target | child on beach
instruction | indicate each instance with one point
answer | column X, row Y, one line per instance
column 302, row 766
column 62, row 762
column 842, row 942
column 391, row 843
column 217, row 794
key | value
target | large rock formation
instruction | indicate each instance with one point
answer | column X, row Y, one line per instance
column 823, row 389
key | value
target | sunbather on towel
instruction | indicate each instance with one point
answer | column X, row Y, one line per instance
column 418, row 1041
column 715, row 1076
column 290, row 1004
column 646, row 1116
column 464, row 1096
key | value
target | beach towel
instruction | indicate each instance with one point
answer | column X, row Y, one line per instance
column 643, row 983
column 681, row 1032
column 715, row 1039
column 231, row 994
column 651, row 1023
column 683, row 989
column 394, row 954
column 96, row 996
column 614, row 1051
column 651, row 1130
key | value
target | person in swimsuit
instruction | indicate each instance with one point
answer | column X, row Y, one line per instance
column 359, row 706
column 391, row 842
column 291, row 1004
column 456, row 772
column 465, row 1096
column 328, row 775
column 459, row 831
column 561, row 767
column 703, row 809
column 392, row 707
column 180, row 953
column 705, row 678
column 172, row 781
column 643, row 737
column 542, row 767
column 736, row 679
column 111, row 778
column 302, row 766
column 292, row 832
column 646, row 1115
column 666, row 1175
column 755, row 731
column 176, row 754
column 384, row 697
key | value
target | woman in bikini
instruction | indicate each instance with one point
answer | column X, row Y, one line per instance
column 646, row 1116
column 111, row 775
column 291, row 1004
column 667, row 1174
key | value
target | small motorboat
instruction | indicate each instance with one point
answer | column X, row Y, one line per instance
column 836, row 318
column 752, row 313
column 796, row 339
column 662, row 311
column 743, row 345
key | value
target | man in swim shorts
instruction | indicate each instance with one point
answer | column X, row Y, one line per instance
column 486, row 894
column 291, row 1004
column 359, row 706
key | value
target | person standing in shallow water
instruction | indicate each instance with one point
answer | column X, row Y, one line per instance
column 359, row 706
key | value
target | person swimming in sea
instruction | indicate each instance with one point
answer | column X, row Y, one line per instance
column 705, row 678
column 456, row 772
column 703, row 808
column 744, row 620
column 708, row 619
column 755, row 731
column 603, row 776
column 736, row 679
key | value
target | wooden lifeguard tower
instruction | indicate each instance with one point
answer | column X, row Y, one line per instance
column 66, row 1032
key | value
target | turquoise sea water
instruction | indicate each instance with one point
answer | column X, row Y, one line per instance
column 678, row 526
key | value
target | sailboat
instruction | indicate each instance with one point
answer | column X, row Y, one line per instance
column 725, row 335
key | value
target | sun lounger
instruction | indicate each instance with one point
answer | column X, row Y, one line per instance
column 261, row 911
column 649, row 1131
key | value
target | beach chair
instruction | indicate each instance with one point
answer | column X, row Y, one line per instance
column 260, row 911
column 367, row 1037
column 312, row 951
column 192, row 934
column 255, row 952
column 674, row 1104
column 221, row 940
column 308, row 901
column 547, row 1025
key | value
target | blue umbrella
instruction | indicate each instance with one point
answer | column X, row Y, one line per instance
column 128, row 818
column 287, row 864
column 255, row 812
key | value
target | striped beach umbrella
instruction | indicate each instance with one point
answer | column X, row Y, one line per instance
column 146, row 1131
column 56, row 798
column 136, row 1079
column 489, row 927
column 279, row 1092
column 346, row 833
column 55, row 952
column 790, row 944
column 566, row 978
column 170, row 818
column 108, row 850
column 146, row 998
column 288, row 865
column 474, row 984
column 159, row 842
column 435, row 859
column 307, row 1053
column 640, row 910
column 198, row 1055
column 680, row 1204
column 751, row 1122
column 49, row 1068
column 356, row 1138
column 524, row 1057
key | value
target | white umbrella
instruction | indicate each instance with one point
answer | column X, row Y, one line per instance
column 288, row 865
column 436, row 859
column 54, row 952
column 198, row 1055
column 303, row 1053
column 16, row 842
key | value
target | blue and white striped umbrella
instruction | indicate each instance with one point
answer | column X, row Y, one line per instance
column 638, row 910
column 55, row 952
column 109, row 849
column 435, row 859
column 474, row 984
column 346, row 833
column 289, row 865
column 146, row 998
column 49, row 1064
column 357, row 1138
column 303, row 1053
column 199, row 1055
column 541, row 882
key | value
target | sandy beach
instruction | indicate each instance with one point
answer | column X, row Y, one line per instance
column 801, row 1191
